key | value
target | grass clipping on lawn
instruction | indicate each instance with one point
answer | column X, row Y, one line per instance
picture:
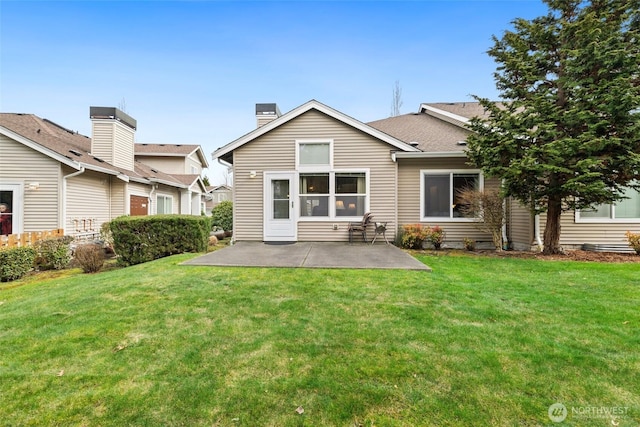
column 480, row 341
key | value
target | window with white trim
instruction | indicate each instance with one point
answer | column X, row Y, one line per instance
column 314, row 154
column 351, row 193
column 333, row 194
column 164, row 204
column 439, row 193
column 626, row 210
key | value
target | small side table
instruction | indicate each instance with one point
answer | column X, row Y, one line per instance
column 381, row 228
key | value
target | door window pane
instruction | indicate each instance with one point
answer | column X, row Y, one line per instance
column 280, row 191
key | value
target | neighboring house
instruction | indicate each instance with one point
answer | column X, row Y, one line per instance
column 304, row 175
column 56, row 178
column 183, row 161
column 215, row 195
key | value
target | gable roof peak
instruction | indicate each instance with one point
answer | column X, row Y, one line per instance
column 224, row 151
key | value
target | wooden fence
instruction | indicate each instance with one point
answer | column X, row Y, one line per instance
column 27, row 239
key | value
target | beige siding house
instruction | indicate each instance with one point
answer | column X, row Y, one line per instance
column 304, row 175
column 54, row 178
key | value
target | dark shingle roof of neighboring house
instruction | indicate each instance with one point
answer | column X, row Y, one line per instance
column 73, row 148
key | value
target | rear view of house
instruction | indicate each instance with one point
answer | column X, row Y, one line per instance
column 304, row 175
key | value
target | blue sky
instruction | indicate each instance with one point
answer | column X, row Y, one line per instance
column 191, row 72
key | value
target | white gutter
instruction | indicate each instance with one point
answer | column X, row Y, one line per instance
column 64, row 196
column 223, row 163
column 426, row 154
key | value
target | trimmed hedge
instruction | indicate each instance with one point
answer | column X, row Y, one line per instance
column 16, row 262
column 141, row 239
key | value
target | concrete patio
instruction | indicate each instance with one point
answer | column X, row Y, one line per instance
column 311, row 255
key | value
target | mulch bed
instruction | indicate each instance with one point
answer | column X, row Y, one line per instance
column 572, row 255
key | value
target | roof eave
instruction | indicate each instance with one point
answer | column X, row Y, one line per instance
column 169, row 183
column 430, row 155
column 448, row 117
column 313, row 104
column 40, row 148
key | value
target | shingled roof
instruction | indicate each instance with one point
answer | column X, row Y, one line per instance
column 430, row 133
column 73, row 148
column 464, row 109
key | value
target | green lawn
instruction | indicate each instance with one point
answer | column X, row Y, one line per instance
column 479, row 341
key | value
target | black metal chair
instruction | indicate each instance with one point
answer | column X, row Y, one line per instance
column 360, row 227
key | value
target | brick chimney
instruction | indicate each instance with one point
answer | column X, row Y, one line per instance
column 112, row 136
column 266, row 113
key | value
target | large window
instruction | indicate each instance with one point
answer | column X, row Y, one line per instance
column 351, row 193
column 440, row 193
column 164, row 204
column 333, row 194
column 314, row 194
column 626, row 210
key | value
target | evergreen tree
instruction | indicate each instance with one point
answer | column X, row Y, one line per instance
column 567, row 134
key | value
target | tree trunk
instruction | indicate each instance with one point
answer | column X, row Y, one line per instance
column 551, row 238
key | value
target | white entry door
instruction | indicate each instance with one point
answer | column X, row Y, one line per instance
column 279, row 202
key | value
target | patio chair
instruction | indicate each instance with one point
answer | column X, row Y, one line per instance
column 360, row 227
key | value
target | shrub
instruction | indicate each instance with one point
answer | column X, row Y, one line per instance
column 435, row 236
column 487, row 208
column 15, row 262
column 140, row 239
column 107, row 237
column 90, row 257
column 634, row 241
column 222, row 215
column 53, row 253
column 413, row 236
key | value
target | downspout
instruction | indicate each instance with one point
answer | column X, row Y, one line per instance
column 395, row 210
column 536, row 231
column 154, row 211
column 505, row 238
column 64, row 196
